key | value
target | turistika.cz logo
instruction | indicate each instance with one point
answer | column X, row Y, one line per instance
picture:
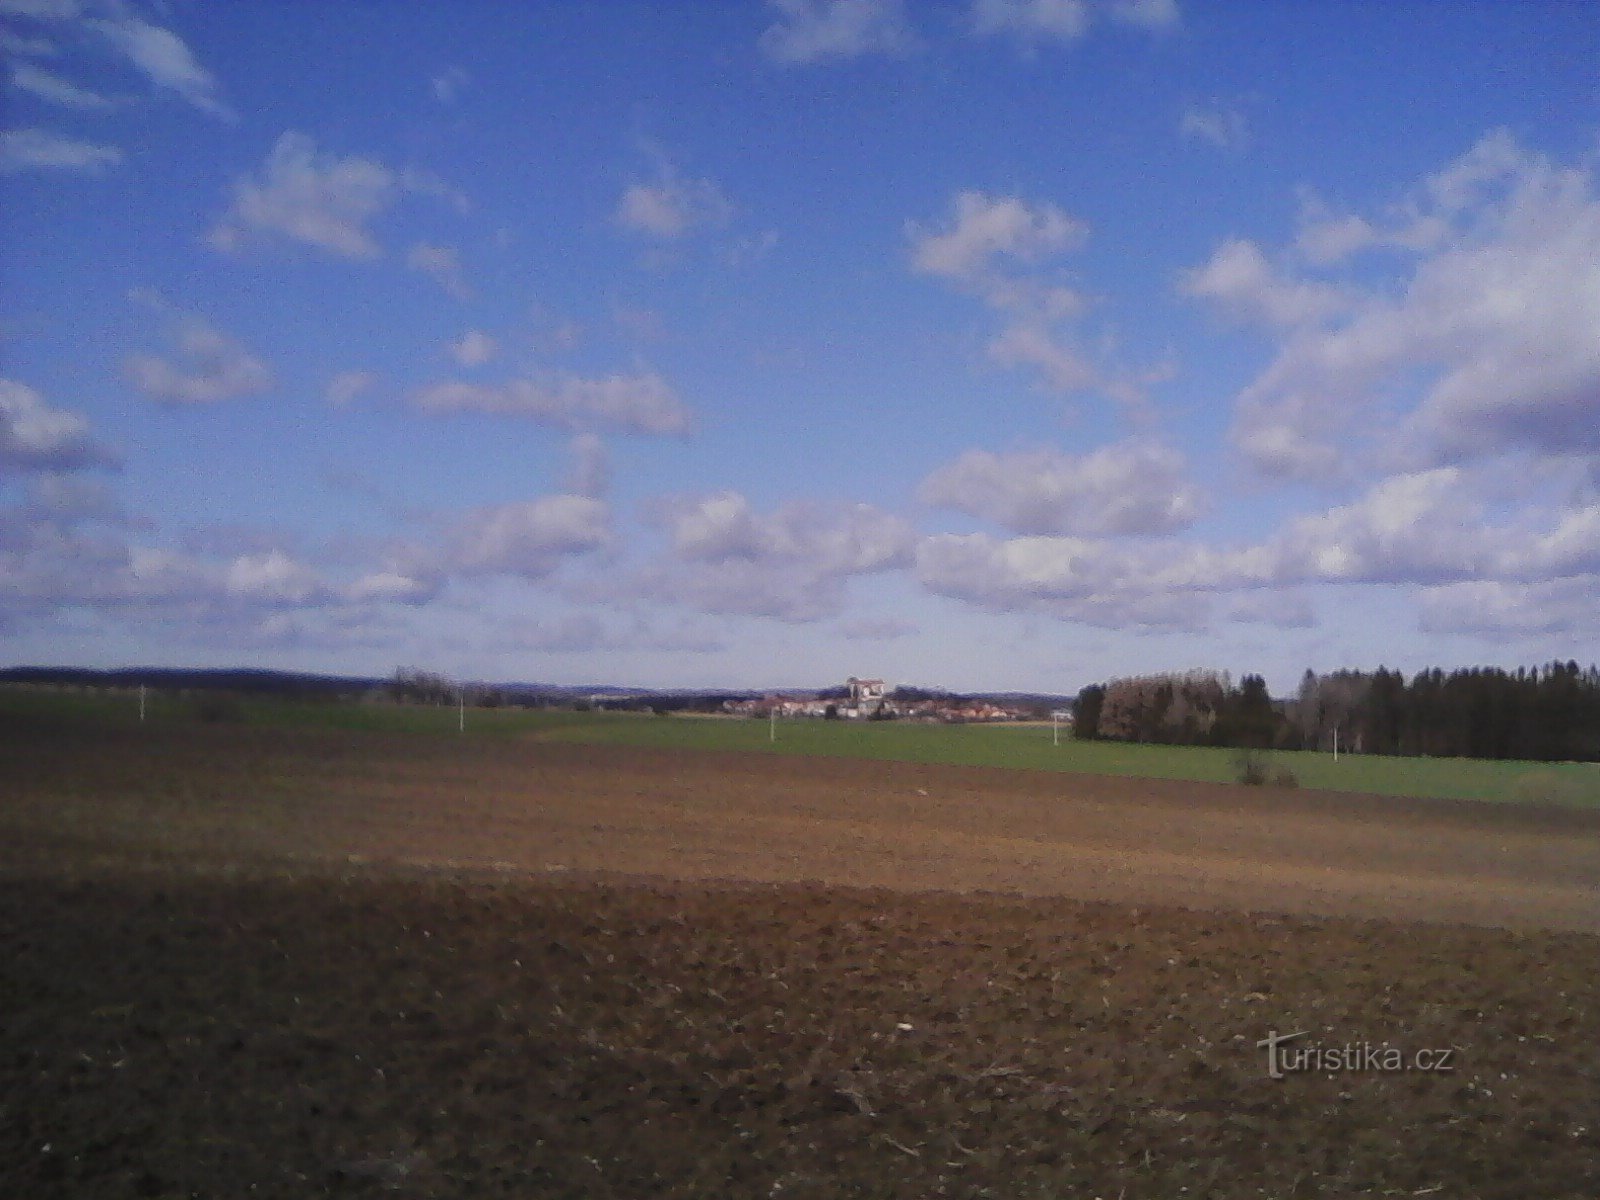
column 1284, row 1059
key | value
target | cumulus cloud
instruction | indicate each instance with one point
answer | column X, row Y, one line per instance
column 809, row 31
column 982, row 230
column 474, row 348
column 1239, row 279
column 53, row 89
column 725, row 557
column 1480, row 343
column 641, row 403
column 995, row 247
column 316, row 199
column 41, row 150
column 1077, row 579
column 670, row 206
column 442, row 264
column 1129, row 488
column 210, row 366
column 528, row 538
column 36, row 437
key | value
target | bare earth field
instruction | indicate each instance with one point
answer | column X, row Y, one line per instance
column 291, row 962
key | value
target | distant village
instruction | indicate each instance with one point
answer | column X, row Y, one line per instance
column 872, row 700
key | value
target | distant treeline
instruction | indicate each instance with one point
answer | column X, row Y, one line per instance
column 283, row 684
column 1538, row 713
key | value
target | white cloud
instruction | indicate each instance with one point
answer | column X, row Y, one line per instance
column 1482, row 345
column 165, row 59
column 810, row 31
column 1223, row 125
column 474, row 349
column 1076, row 579
column 36, row 437
column 55, row 90
column 1063, row 369
column 984, row 229
column 41, row 150
column 995, row 246
column 1129, row 488
column 391, row 587
column 1239, row 278
column 319, row 200
column 642, row 403
column 1029, row 20
column 790, row 565
column 591, row 466
column 442, row 264
column 272, row 577
column 1033, row 21
column 1496, row 610
column 671, row 206
column 345, row 387
column 529, row 538
column 211, row 366
column 448, row 84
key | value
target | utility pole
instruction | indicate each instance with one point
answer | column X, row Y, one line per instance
column 461, row 707
column 1055, row 727
column 772, row 723
column 141, row 704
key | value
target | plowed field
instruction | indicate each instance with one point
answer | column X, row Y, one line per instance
column 291, row 963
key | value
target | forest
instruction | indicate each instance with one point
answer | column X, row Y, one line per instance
column 1549, row 713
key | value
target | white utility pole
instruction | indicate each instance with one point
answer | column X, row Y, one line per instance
column 461, row 708
column 1055, row 727
column 1335, row 743
column 141, row 704
column 772, row 723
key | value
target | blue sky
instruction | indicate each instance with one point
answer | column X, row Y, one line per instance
column 983, row 344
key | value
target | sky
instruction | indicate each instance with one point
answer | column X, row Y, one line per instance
column 977, row 344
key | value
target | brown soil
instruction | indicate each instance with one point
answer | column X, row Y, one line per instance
column 204, row 996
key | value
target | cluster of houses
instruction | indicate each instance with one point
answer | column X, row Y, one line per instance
column 871, row 700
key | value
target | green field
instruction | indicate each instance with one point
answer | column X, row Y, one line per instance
column 1028, row 747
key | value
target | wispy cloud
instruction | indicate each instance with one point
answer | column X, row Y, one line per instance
column 55, row 90
column 442, row 264
column 209, row 366
column 1222, row 125
column 41, row 150
column 165, row 59
column 639, row 403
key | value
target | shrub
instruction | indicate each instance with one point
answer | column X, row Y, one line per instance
column 1250, row 767
column 1285, row 778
